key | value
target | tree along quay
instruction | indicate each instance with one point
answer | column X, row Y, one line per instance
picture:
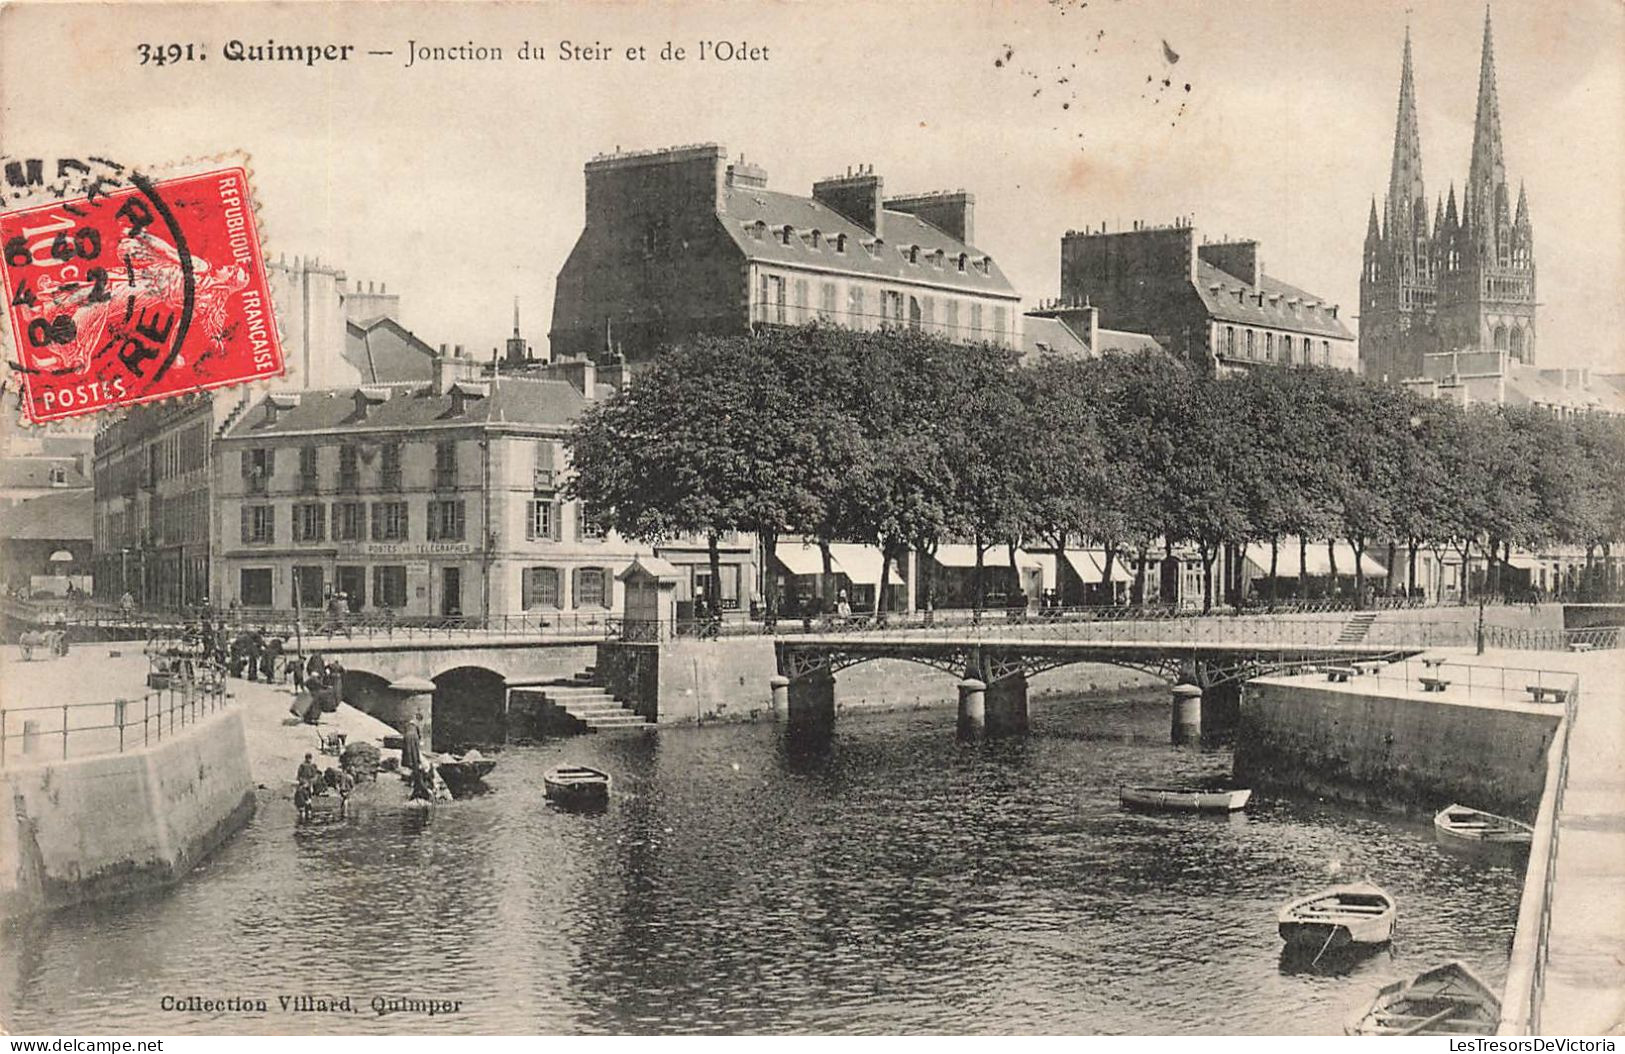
column 905, row 442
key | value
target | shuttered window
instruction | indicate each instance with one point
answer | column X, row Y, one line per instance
column 540, row 587
column 590, row 588
column 542, row 521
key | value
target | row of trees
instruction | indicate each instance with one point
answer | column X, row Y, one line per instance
column 903, row 441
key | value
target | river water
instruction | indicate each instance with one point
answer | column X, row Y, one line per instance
column 893, row 881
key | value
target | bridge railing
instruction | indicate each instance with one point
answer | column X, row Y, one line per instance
column 43, row 732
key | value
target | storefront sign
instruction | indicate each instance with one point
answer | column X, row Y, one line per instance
column 404, row 549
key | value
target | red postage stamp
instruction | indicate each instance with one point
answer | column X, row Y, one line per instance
column 137, row 291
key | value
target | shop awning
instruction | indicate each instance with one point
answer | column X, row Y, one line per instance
column 861, row 564
column 1089, row 564
column 800, row 558
column 957, row 555
column 1286, row 564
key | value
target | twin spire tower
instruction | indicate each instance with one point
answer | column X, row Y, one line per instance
column 1464, row 281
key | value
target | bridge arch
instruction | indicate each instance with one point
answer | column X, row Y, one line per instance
column 368, row 692
column 470, row 707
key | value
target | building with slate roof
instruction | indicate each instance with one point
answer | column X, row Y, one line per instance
column 1210, row 303
column 679, row 244
column 1073, row 331
column 47, row 541
column 1498, row 379
column 437, row 500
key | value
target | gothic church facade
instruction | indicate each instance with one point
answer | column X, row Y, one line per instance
column 1464, row 281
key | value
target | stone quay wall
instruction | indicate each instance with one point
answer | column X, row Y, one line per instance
column 105, row 826
column 1392, row 752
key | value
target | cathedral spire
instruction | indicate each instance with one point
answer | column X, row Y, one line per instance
column 1373, row 233
column 1487, row 171
column 1405, row 177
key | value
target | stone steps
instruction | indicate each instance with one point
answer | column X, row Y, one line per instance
column 1356, row 628
column 590, row 705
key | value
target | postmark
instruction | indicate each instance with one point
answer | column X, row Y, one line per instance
column 137, row 289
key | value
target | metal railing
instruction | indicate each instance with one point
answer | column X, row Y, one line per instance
column 1535, row 639
column 1316, row 624
column 109, row 726
column 1531, row 946
column 1454, row 681
column 1073, row 625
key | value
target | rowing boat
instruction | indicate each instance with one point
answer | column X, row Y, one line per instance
column 1184, row 799
column 1448, row 1000
column 1339, row 916
column 1459, row 825
column 576, row 785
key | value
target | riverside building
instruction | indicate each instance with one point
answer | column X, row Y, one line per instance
column 679, row 244
column 425, row 501
column 1209, row 303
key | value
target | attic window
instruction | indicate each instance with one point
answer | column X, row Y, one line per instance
column 462, row 393
column 787, row 233
column 815, row 238
column 840, row 243
column 937, row 258
column 986, row 266
column 914, row 254
column 758, row 229
column 962, row 258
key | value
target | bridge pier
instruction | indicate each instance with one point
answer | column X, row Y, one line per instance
column 1007, row 705
column 810, row 701
column 410, row 697
column 972, row 708
column 1186, row 723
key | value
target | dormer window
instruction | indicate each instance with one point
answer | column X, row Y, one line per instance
column 840, row 243
column 758, row 230
column 986, row 266
column 786, row 233
column 59, row 476
column 914, row 254
column 963, row 258
column 463, row 393
column 937, row 258
column 815, row 238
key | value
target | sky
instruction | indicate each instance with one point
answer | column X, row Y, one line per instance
column 459, row 183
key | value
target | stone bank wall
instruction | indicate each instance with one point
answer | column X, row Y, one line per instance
column 91, row 828
column 1391, row 752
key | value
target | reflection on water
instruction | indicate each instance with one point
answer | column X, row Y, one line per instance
column 892, row 879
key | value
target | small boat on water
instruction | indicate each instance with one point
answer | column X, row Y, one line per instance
column 1339, row 916
column 463, row 773
column 576, row 785
column 1448, row 1000
column 1461, row 826
column 1184, row 799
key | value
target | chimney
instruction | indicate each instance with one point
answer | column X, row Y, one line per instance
column 857, row 197
column 950, row 211
column 1237, row 259
column 744, row 174
column 623, row 189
